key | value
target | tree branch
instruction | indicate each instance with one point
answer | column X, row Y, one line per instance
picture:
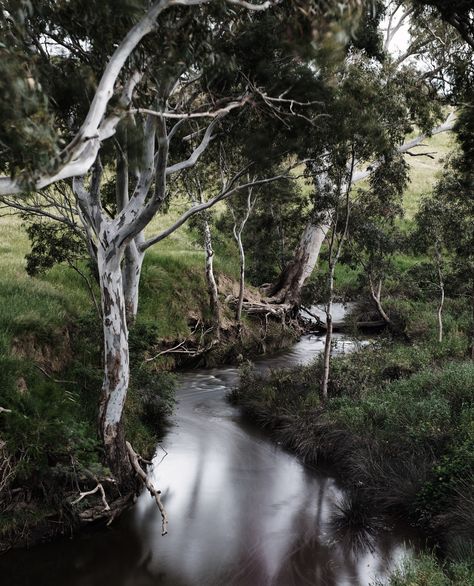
column 156, row 494
column 227, row 192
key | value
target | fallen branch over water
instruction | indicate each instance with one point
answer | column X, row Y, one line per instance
column 156, row 494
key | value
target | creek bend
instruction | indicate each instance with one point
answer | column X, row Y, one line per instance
column 243, row 511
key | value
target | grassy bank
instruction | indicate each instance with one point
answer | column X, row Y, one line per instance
column 398, row 426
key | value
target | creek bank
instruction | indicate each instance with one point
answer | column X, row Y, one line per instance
column 265, row 517
column 397, row 428
column 37, row 502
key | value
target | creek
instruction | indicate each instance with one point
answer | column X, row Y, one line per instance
column 242, row 510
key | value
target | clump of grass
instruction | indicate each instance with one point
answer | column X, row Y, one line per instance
column 398, row 425
column 353, row 524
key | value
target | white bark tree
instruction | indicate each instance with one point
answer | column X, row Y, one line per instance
column 237, row 230
column 113, row 237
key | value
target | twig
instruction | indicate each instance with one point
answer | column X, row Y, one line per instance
column 429, row 155
column 167, row 351
column 71, row 382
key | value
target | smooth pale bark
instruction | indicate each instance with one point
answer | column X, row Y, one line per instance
column 211, row 281
column 237, row 230
column 131, row 273
column 290, row 283
column 240, row 302
column 376, row 295
column 328, row 339
column 116, row 363
column 133, row 255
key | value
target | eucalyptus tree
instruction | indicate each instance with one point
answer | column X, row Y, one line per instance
column 143, row 66
column 375, row 236
column 377, row 107
column 411, row 91
column 458, row 13
column 430, row 236
column 446, row 220
column 240, row 215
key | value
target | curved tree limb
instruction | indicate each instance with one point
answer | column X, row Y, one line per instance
column 156, row 494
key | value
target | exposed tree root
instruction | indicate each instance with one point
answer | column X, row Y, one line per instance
column 156, row 494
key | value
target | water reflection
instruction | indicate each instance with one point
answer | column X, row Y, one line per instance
column 242, row 511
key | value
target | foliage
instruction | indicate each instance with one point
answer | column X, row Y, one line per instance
column 52, row 243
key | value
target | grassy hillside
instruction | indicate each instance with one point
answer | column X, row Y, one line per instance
column 424, row 171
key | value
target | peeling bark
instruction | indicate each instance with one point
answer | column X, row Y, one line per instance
column 116, row 366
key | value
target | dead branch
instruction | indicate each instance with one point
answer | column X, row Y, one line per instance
column 3, row 410
column 429, row 155
column 7, row 470
column 55, row 380
column 134, row 460
column 167, row 351
column 319, row 321
column 93, row 491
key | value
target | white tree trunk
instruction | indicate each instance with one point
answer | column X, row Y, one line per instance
column 211, row 281
column 439, row 263
column 376, row 295
column 328, row 340
column 290, row 284
column 116, row 364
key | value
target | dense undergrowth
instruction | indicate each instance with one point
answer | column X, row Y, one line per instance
column 398, row 425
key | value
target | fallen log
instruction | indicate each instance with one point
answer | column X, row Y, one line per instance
column 365, row 326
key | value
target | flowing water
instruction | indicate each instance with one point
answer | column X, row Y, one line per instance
column 243, row 511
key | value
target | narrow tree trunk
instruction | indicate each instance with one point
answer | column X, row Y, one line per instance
column 335, row 248
column 293, row 277
column 376, row 298
column 442, row 295
column 116, row 367
column 131, row 272
column 238, row 313
column 211, row 281
column 328, row 339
